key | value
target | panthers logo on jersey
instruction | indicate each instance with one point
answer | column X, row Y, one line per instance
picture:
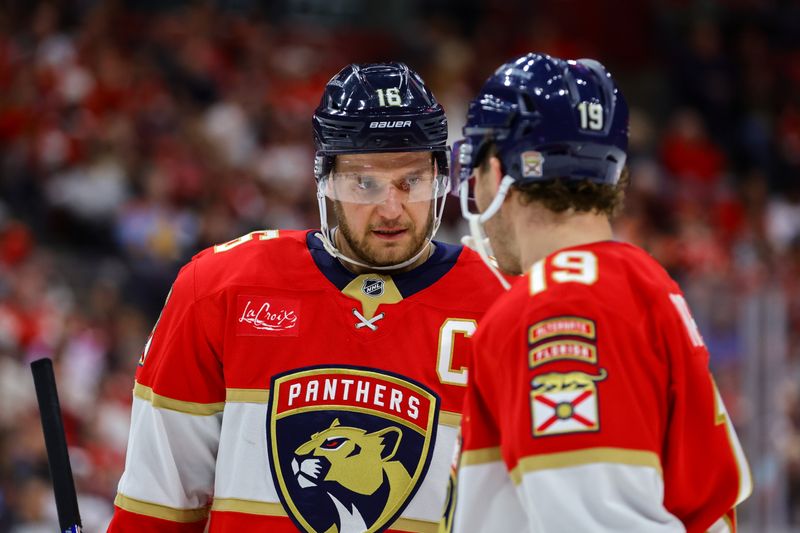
column 349, row 446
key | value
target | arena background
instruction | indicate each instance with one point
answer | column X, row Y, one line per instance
column 134, row 134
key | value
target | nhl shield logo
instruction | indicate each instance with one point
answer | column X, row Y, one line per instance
column 373, row 287
column 348, row 446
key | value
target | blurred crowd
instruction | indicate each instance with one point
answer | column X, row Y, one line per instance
column 134, row 134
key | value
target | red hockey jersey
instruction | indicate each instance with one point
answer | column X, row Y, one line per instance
column 591, row 407
column 278, row 391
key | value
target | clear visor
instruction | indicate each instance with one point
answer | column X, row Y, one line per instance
column 368, row 180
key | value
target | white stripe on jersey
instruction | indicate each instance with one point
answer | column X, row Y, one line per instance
column 243, row 470
column 428, row 502
column 597, row 497
column 486, row 501
column 174, row 455
column 243, row 452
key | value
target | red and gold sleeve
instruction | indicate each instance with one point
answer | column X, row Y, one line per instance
column 179, row 397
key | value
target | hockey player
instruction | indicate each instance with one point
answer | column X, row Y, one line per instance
column 590, row 406
column 313, row 380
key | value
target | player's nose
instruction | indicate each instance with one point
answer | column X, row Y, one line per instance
column 392, row 205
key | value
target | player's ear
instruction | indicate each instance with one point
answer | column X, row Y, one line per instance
column 495, row 171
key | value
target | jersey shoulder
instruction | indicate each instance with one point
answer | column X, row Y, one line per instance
column 594, row 279
column 263, row 257
column 468, row 284
column 607, row 270
column 635, row 265
column 508, row 306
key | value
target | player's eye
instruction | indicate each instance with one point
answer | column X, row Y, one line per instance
column 366, row 183
column 411, row 182
column 333, row 443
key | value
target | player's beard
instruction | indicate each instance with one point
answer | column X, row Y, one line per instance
column 500, row 237
column 366, row 252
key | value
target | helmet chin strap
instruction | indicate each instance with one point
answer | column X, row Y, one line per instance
column 476, row 221
column 326, row 234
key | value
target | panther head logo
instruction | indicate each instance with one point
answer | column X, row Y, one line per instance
column 348, row 446
column 349, row 462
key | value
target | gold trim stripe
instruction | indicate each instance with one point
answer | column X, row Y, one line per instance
column 719, row 408
column 201, row 409
column 446, row 418
column 481, row 456
column 449, row 418
column 247, row 395
column 160, row 511
column 723, row 522
column 745, row 475
column 623, row 456
column 728, row 522
column 415, row 526
column 237, row 505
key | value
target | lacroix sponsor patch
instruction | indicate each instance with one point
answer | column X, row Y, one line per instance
column 266, row 315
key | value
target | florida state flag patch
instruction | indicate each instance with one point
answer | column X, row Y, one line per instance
column 565, row 402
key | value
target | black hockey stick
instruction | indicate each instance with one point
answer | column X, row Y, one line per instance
column 69, row 519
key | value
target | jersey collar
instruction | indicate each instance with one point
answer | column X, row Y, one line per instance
column 437, row 265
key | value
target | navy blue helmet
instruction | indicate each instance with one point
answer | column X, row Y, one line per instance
column 382, row 107
column 378, row 108
column 548, row 119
